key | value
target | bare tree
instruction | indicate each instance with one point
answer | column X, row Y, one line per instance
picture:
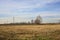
column 32, row 21
column 38, row 20
column 28, row 22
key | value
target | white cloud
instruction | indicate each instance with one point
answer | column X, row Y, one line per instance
column 47, row 13
column 10, row 6
column 25, row 4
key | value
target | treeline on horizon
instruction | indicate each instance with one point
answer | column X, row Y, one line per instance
column 38, row 20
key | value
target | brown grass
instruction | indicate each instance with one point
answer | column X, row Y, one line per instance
column 30, row 32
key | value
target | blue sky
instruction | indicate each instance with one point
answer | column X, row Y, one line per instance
column 49, row 10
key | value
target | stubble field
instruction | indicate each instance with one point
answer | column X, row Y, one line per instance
column 30, row 32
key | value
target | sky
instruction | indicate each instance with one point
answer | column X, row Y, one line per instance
column 26, row 10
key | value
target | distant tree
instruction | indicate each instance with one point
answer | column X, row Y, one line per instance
column 38, row 20
column 28, row 22
column 59, row 21
column 32, row 21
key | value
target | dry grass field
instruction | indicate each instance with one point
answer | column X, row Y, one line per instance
column 30, row 32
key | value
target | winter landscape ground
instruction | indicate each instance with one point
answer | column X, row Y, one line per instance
column 30, row 32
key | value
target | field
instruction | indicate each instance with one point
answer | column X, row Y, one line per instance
column 30, row 32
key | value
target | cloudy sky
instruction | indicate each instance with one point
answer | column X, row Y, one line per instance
column 24, row 10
